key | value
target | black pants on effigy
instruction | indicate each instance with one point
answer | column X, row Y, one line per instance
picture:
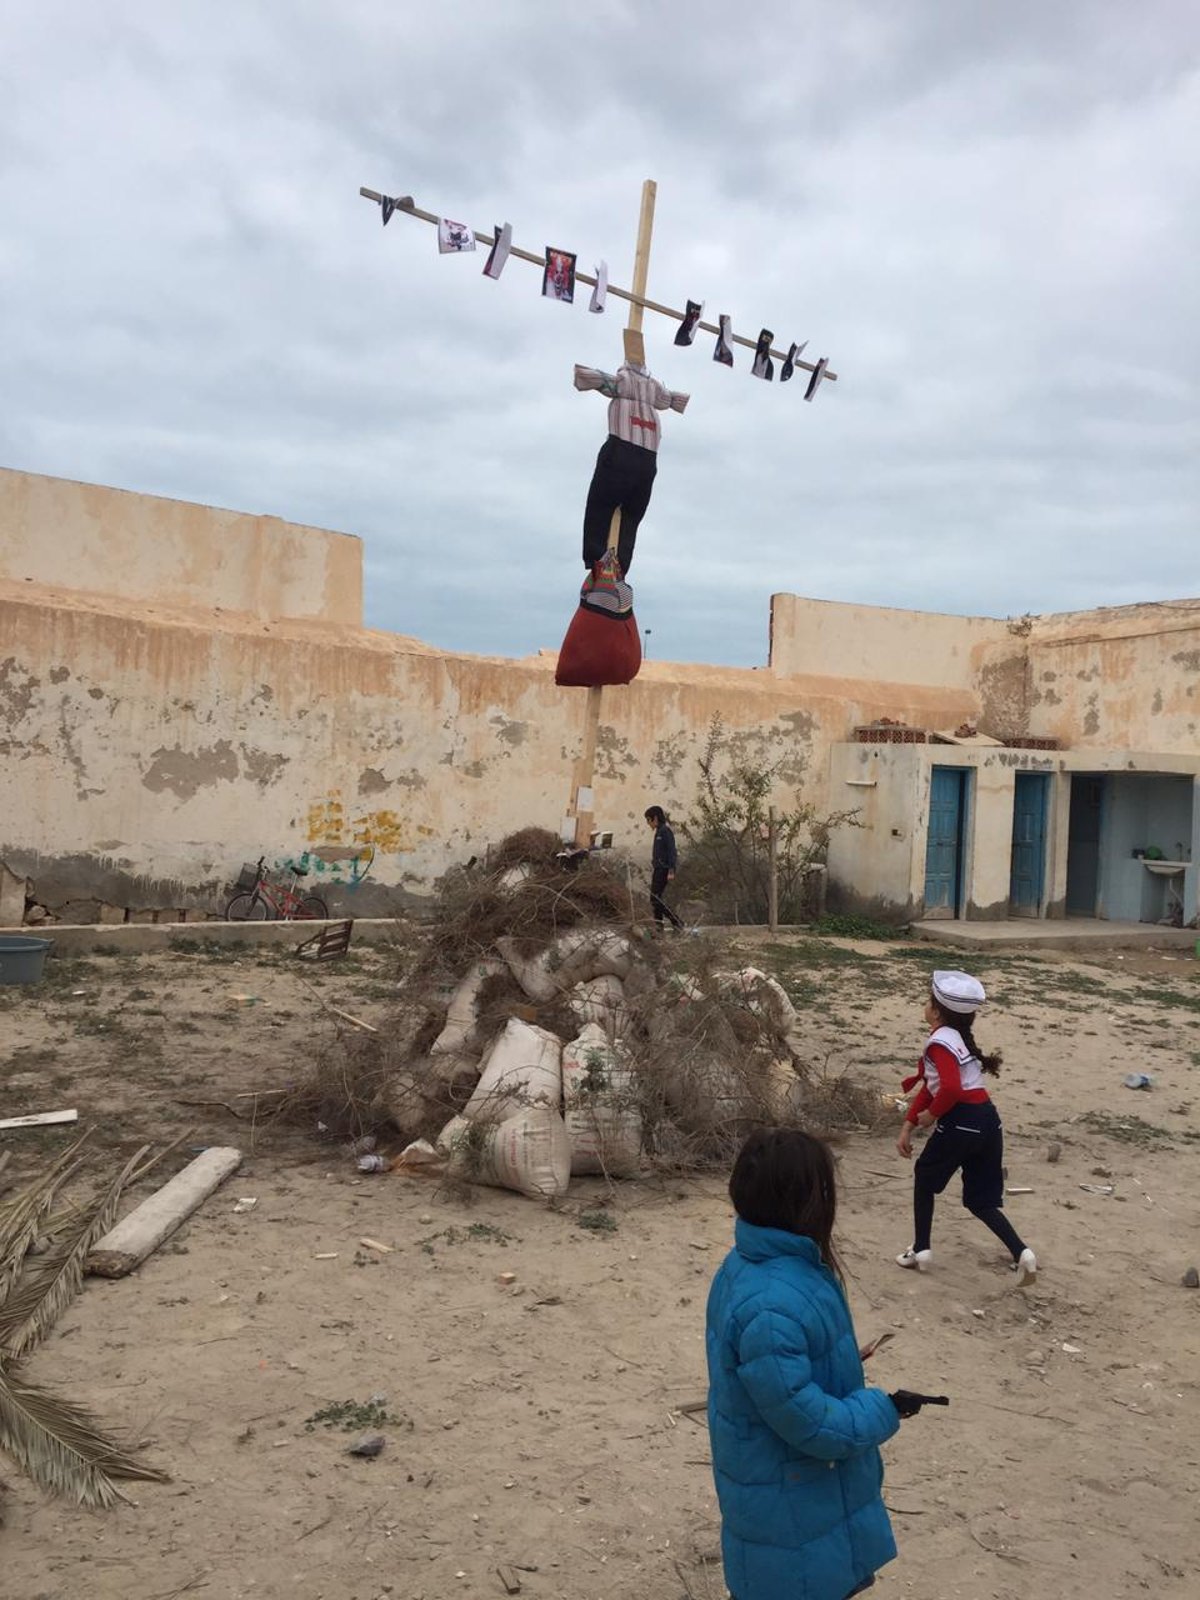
column 624, row 477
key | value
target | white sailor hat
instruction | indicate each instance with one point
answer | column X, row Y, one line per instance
column 958, row 991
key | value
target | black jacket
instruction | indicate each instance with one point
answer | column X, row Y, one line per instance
column 665, row 857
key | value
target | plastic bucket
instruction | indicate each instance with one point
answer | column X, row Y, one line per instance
column 22, row 960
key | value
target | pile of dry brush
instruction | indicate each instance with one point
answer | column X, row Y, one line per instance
column 711, row 1057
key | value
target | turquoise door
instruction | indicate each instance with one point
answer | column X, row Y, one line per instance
column 943, row 848
column 1030, row 805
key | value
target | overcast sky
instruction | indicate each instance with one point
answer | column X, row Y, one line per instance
column 986, row 215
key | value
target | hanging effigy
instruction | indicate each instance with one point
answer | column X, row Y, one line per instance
column 602, row 646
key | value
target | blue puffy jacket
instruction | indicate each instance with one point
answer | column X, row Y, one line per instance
column 795, row 1435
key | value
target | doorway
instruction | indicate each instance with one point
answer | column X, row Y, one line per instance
column 1027, row 879
column 1083, row 842
column 944, row 841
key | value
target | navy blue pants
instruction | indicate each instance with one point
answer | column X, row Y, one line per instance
column 969, row 1139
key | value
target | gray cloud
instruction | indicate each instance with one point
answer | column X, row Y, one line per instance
column 986, row 217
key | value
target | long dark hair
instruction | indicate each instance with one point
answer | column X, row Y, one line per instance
column 784, row 1178
column 961, row 1022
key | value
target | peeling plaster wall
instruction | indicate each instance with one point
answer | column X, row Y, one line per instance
column 182, row 689
column 146, row 755
column 822, row 637
column 1125, row 677
column 85, row 538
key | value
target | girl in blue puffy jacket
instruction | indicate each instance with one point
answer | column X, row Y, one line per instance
column 795, row 1433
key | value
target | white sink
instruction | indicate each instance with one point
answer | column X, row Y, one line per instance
column 1165, row 869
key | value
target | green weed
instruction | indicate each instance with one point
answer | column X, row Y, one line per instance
column 352, row 1415
column 473, row 1231
column 841, row 925
column 597, row 1221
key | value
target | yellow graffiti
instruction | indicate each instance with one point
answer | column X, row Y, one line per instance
column 384, row 830
column 326, row 822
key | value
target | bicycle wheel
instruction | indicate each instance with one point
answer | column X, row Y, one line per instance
column 311, row 906
column 247, row 908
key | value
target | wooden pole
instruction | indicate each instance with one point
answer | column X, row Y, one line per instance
column 772, row 872
column 635, row 345
column 144, row 1229
column 583, row 802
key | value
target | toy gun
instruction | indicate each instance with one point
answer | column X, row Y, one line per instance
column 908, row 1404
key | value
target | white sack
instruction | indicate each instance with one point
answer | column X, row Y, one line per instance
column 603, row 1121
column 522, row 1067
column 573, row 958
column 601, row 1000
column 463, row 1012
column 528, row 1152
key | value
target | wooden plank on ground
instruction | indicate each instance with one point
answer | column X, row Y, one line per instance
column 40, row 1119
column 146, row 1227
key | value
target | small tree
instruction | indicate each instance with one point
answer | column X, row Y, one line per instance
column 728, row 860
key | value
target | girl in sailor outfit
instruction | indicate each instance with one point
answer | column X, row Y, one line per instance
column 967, row 1136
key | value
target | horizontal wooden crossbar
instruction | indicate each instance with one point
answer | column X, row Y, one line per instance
column 405, row 203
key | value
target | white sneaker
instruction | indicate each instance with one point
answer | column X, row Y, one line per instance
column 921, row 1260
column 1026, row 1269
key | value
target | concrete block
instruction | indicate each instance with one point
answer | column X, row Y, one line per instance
column 12, row 897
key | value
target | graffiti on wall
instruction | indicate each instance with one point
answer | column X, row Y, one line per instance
column 343, row 842
column 346, row 865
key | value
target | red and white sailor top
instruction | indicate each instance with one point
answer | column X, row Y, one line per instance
column 948, row 1074
column 634, row 397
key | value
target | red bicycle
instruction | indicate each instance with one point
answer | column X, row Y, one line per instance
column 260, row 900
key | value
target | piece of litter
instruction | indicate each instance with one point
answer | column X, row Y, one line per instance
column 418, row 1156
column 246, row 1203
column 1016, row 1189
column 699, row 1244
column 1072, row 1350
column 512, row 1584
column 978, row 1313
column 508, row 1277
column 327, row 1255
column 1098, row 1188
column 1191, row 1279
column 377, row 1244
column 1138, row 1080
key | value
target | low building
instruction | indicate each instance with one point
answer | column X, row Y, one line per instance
column 183, row 688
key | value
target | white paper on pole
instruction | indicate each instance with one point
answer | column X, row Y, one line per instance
column 600, row 292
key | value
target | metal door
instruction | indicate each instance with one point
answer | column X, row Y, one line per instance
column 943, row 848
column 1028, row 844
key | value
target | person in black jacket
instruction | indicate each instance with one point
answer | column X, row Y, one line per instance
column 663, row 862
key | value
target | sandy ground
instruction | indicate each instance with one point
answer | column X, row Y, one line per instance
column 537, row 1424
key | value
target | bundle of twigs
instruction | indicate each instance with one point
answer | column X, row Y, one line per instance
column 58, row 1444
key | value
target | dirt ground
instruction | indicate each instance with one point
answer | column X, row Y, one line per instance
column 538, row 1424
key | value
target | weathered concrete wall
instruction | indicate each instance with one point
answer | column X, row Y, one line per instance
column 148, row 753
column 1124, row 677
column 88, row 539
column 182, row 688
column 827, row 637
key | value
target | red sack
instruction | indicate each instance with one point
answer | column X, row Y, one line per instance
column 599, row 650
